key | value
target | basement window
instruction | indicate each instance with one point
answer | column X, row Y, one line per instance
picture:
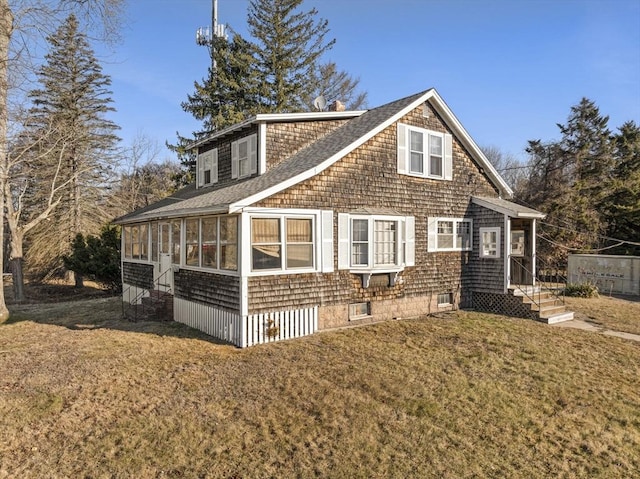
column 359, row 310
column 445, row 299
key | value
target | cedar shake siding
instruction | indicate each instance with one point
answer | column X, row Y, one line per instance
column 217, row 290
column 487, row 274
column 139, row 275
column 286, row 139
column 224, row 156
column 368, row 177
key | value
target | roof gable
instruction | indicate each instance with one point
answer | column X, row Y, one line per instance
column 313, row 159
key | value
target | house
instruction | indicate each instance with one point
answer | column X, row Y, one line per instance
column 306, row 221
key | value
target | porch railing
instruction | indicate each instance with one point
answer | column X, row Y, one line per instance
column 140, row 310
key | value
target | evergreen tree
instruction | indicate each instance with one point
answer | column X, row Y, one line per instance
column 75, row 97
column 288, row 47
column 622, row 204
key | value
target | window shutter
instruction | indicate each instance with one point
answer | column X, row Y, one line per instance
column 343, row 241
column 327, row 241
column 200, row 169
column 402, row 148
column 214, row 166
column 234, row 159
column 253, row 153
column 432, row 233
column 409, row 241
column 448, row 157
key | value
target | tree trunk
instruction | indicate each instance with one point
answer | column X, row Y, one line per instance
column 18, row 280
column 16, row 260
column 79, row 280
column 6, row 28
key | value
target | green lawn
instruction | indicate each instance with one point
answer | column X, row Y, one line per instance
column 469, row 395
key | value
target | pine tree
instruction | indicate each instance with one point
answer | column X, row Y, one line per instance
column 74, row 95
column 622, row 204
column 288, row 48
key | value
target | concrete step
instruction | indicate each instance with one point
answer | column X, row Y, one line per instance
column 558, row 317
column 548, row 311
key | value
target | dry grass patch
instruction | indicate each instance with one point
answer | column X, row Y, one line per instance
column 474, row 395
column 618, row 314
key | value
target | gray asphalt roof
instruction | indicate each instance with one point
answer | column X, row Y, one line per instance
column 194, row 201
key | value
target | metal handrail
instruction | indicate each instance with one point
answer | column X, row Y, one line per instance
column 133, row 304
column 544, row 286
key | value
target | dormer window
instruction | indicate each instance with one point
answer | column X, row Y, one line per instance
column 207, row 168
column 244, row 157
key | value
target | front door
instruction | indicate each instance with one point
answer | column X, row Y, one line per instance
column 165, row 274
column 520, row 252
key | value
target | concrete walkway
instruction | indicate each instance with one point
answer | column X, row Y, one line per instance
column 586, row 326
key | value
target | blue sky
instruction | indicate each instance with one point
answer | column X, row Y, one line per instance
column 509, row 69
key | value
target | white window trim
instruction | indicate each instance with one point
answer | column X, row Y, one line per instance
column 322, row 235
column 404, row 152
column 199, row 267
column 432, row 232
column 252, row 156
column 405, row 246
column 495, row 230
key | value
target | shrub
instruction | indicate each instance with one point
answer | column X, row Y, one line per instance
column 97, row 258
column 581, row 290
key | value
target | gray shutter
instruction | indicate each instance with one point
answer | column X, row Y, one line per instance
column 402, row 148
column 343, row 241
column 234, row 159
column 327, row 241
column 253, row 153
column 409, row 241
column 214, row 167
column 448, row 157
column 432, row 234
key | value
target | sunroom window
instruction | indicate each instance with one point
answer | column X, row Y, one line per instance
column 283, row 242
column 136, row 241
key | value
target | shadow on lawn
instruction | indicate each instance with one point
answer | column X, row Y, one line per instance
column 98, row 313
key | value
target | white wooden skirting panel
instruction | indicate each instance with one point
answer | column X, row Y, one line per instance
column 215, row 322
column 276, row 326
column 131, row 294
column 252, row 329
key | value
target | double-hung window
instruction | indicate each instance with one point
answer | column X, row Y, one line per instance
column 207, row 172
column 282, row 243
column 244, row 157
column 490, row 242
column 136, row 241
column 424, row 153
column 449, row 234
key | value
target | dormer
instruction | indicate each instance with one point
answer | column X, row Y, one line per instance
column 250, row 148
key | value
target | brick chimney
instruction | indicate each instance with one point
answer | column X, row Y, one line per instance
column 337, row 106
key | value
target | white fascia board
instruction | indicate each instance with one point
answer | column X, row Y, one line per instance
column 160, row 216
column 506, row 211
column 461, row 133
column 234, row 207
column 275, row 117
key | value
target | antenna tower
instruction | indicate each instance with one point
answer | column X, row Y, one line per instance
column 205, row 35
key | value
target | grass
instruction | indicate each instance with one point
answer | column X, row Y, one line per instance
column 84, row 394
column 618, row 314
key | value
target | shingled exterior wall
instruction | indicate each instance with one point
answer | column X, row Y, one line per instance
column 137, row 274
column 287, row 138
column 487, row 274
column 367, row 177
column 220, row 291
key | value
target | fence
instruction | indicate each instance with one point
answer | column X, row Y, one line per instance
column 610, row 273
